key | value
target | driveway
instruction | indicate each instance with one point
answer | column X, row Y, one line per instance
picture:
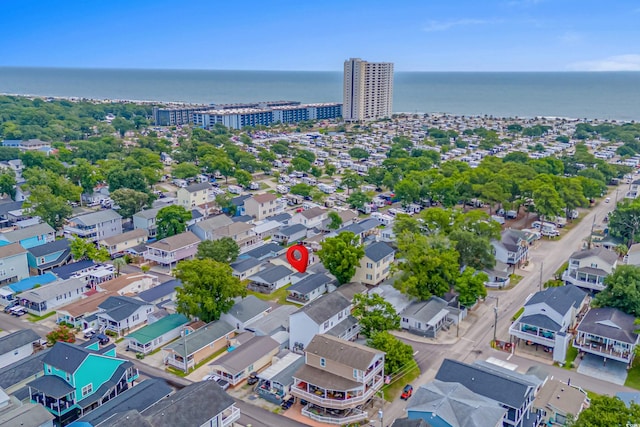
column 611, row 371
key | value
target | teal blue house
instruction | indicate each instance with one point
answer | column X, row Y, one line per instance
column 31, row 236
column 48, row 256
column 78, row 379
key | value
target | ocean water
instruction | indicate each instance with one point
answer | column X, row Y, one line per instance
column 606, row 95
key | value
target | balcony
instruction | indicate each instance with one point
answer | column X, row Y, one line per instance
column 604, row 349
column 298, row 299
column 333, row 398
column 583, row 280
column 332, row 416
column 160, row 257
column 55, row 406
column 498, row 284
column 533, row 333
column 230, row 416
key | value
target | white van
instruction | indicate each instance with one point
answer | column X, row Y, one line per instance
column 88, row 333
column 500, row 220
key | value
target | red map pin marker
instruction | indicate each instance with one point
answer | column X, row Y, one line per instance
column 298, row 257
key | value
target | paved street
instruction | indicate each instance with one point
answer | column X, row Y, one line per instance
column 474, row 341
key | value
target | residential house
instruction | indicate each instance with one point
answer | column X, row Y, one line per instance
column 405, row 422
column 14, row 413
column 68, row 270
column 6, row 207
column 272, row 323
column 30, row 237
column 269, row 250
column 44, row 299
column 549, row 317
column 194, row 195
column 138, row 398
column 27, row 284
column 94, row 226
column 261, row 206
column 253, row 355
column 78, row 379
column 609, row 333
column 290, row 234
column 120, row 243
column 16, row 346
column 146, row 220
column 27, row 144
column 240, row 232
column 194, row 347
column 362, row 230
column 238, row 202
column 499, row 276
column 13, row 263
column 513, row 391
column 376, row 264
column 245, row 311
column 153, row 336
column 205, row 229
column 337, row 379
column 310, row 218
column 266, row 228
column 244, row 268
column 633, row 255
column 120, row 314
column 454, row 405
column 512, row 248
column 163, row 292
column 309, row 288
column 588, row 268
column 14, row 377
column 329, row 314
column 273, row 277
column 558, row 402
column 274, row 383
column 170, row 250
column 95, row 275
column 282, row 218
column 200, row 404
column 427, row 318
column 634, row 190
column 48, row 256
column 347, row 216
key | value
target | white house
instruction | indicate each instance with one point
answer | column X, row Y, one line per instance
column 46, row 298
column 588, row 268
column 16, row 346
column 244, row 311
column 310, row 218
column 427, row 318
column 512, row 248
column 271, row 278
column 329, row 314
column 121, row 314
column 193, row 195
column 95, row 226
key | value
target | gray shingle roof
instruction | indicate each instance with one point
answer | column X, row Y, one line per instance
column 343, row 326
column 560, row 299
column 456, row 405
column 611, row 323
column 310, row 283
column 246, row 264
column 99, row 217
column 22, row 369
column 274, row 321
column 52, row 386
column 541, row 321
column 176, row 242
column 49, row 248
column 140, row 397
column 405, row 422
column 160, row 291
column 283, row 217
column 606, row 255
column 263, row 251
column 271, row 274
column 50, row 290
column 17, row 339
column 120, row 307
column 247, row 354
column 425, row 310
column 201, row 338
column 290, row 230
column 247, row 308
column 198, row 187
column 194, row 405
column 346, row 353
column 213, row 223
column 322, row 309
column 501, row 388
column 148, row 213
column 66, row 357
column 377, row 251
column 28, row 232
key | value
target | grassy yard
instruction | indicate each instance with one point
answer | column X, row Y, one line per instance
column 633, row 378
column 572, row 353
column 280, row 295
column 181, row 373
column 33, row 318
column 518, row 313
column 393, row 390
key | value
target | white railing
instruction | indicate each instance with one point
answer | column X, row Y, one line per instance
column 357, row 416
column 337, row 403
column 530, row 336
column 229, row 418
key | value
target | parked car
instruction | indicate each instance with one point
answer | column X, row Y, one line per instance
column 407, row 392
column 12, row 304
column 253, row 378
column 102, row 338
column 286, row 404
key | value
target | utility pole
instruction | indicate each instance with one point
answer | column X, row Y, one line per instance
column 541, row 266
column 495, row 322
column 591, row 234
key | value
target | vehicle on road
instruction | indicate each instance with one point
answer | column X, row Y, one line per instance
column 407, row 392
column 607, row 200
column 253, row 378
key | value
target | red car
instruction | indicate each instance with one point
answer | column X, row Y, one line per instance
column 407, row 392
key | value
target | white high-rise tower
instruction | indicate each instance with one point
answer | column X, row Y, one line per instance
column 368, row 90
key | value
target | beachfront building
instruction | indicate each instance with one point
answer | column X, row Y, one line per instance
column 368, row 90
column 175, row 116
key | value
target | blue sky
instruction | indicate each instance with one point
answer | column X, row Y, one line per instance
column 421, row 35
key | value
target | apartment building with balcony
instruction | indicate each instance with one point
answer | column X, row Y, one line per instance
column 170, row 250
column 94, row 226
column 588, row 268
column 609, row 333
column 549, row 319
column 338, row 379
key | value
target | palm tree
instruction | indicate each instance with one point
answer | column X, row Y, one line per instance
column 118, row 263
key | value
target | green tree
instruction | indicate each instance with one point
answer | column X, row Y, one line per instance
column 374, row 314
column 8, row 184
column 470, row 286
column 208, row 289
column 429, row 265
column 358, row 199
column 398, row 354
column 622, row 290
column 625, row 221
column 335, row 222
column 129, row 201
column 53, row 210
column 407, row 191
column 301, row 189
column 351, row 180
column 300, row 164
column 358, row 153
column 607, row 411
column 316, row 171
column 547, row 201
column 220, row 162
column 84, row 249
column 341, row 255
column 185, row 170
column 172, row 220
column 224, row 250
column 475, row 251
column 243, row 177
column 330, row 170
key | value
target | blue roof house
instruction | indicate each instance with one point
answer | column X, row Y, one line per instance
column 78, row 379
